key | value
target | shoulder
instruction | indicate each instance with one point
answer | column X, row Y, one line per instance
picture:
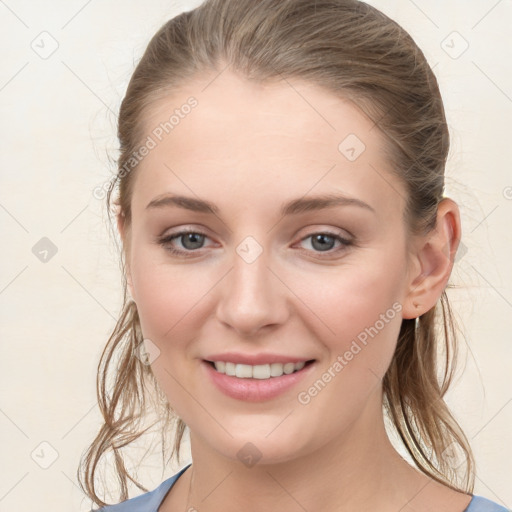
column 147, row 502
column 481, row 504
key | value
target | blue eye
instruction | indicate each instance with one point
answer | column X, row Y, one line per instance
column 325, row 242
column 194, row 238
column 191, row 241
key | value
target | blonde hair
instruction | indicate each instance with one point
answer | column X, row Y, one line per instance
column 355, row 52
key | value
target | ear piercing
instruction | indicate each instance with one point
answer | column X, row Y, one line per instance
column 417, row 319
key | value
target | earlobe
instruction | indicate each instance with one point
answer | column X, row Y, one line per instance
column 435, row 256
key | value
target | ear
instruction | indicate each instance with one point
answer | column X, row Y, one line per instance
column 432, row 261
column 121, row 226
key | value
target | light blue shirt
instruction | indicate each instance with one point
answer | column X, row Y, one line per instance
column 150, row 501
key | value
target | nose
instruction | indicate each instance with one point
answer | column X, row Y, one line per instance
column 253, row 297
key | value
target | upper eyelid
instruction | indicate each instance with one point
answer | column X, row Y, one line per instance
column 203, row 231
column 185, row 231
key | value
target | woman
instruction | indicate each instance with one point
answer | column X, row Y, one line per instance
column 287, row 247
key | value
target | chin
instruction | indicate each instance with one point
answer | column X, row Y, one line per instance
column 258, row 447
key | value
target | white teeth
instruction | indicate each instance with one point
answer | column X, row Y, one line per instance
column 259, row 371
column 230, row 369
column 243, row 371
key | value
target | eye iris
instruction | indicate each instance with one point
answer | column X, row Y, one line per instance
column 195, row 238
column 322, row 237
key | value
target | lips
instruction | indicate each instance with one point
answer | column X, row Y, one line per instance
column 255, row 390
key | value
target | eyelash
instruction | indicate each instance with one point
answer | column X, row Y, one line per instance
column 166, row 240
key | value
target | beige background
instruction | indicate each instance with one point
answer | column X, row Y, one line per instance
column 58, row 130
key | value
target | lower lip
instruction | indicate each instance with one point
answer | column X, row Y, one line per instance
column 255, row 390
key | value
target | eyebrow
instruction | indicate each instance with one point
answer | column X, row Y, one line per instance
column 293, row 207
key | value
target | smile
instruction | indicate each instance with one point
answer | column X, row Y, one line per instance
column 256, row 383
column 260, row 371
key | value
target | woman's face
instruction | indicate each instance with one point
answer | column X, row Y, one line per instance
column 266, row 274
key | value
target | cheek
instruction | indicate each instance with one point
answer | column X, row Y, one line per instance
column 174, row 302
column 167, row 297
column 360, row 308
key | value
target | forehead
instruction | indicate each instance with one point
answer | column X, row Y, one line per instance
column 302, row 112
column 278, row 140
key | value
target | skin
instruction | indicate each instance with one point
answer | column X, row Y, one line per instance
column 248, row 148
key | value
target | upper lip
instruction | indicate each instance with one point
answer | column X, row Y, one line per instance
column 255, row 359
